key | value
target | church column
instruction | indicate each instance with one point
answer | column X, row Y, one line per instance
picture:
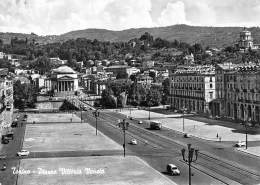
column 68, row 89
column 73, row 86
column 70, row 85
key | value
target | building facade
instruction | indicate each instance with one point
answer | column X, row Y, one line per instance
column 6, row 101
column 238, row 92
column 193, row 88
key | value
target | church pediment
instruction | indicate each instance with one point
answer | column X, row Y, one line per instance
column 66, row 78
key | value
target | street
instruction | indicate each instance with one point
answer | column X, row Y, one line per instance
column 216, row 159
column 9, row 150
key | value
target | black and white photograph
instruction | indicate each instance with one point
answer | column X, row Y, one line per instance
column 130, row 92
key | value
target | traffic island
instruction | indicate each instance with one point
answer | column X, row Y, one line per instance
column 65, row 137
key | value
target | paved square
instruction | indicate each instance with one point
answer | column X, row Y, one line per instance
column 52, row 117
column 105, row 170
column 65, row 137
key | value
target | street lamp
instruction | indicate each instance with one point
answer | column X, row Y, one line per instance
column 189, row 158
column 246, row 125
column 124, row 126
column 183, row 111
column 96, row 115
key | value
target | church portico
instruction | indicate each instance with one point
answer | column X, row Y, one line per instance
column 65, row 85
column 64, row 81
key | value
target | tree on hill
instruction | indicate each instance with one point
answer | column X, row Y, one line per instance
column 42, row 64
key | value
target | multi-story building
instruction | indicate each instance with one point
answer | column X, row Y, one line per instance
column 193, row 88
column 6, row 101
column 238, row 92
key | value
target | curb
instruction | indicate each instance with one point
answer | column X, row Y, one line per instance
column 243, row 151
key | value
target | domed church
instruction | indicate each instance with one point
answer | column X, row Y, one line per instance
column 63, row 80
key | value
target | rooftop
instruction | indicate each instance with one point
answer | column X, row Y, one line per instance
column 199, row 69
column 64, row 70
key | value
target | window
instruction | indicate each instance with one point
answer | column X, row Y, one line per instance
column 210, row 79
column 211, row 94
column 210, row 86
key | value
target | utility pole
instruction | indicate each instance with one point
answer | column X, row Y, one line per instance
column 183, row 111
column 124, row 126
column 96, row 115
column 189, row 158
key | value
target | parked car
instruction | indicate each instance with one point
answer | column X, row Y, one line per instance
column 140, row 122
column 172, row 169
column 186, row 135
column 4, row 140
column 217, row 117
column 4, row 167
column 9, row 136
column 240, row 144
column 133, row 142
column 23, row 153
column 14, row 124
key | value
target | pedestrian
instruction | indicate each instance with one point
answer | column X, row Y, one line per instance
column 217, row 135
column 219, row 139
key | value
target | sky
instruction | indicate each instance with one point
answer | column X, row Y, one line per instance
column 48, row 17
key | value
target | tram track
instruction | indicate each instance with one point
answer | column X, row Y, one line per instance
column 221, row 167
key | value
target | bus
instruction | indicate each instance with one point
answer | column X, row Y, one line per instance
column 155, row 125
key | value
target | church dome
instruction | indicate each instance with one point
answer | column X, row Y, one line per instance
column 64, row 70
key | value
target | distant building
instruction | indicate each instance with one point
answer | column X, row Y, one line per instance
column 188, row 59
column 193, row 88
column 63, row 81
column 116, row 69
column 144, row 80
column 246, row 41
column 132, row 70
column 58, row 61
column 5, row 56
column 148, row 64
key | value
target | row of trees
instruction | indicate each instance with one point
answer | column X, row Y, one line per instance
column 117, row 94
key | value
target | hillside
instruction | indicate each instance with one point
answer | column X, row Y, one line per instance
column 207, row 36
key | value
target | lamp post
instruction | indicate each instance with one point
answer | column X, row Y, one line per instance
column 189, row 158
column 81, row 114
column 246, row 125
column 96, row 115
column 183, row 111
column 124, row 126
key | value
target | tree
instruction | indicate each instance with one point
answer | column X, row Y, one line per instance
column 24, row 95
column 152, row 74
column 107, row 99
column 166, row 90
column 42, row 64
column 121, row 75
